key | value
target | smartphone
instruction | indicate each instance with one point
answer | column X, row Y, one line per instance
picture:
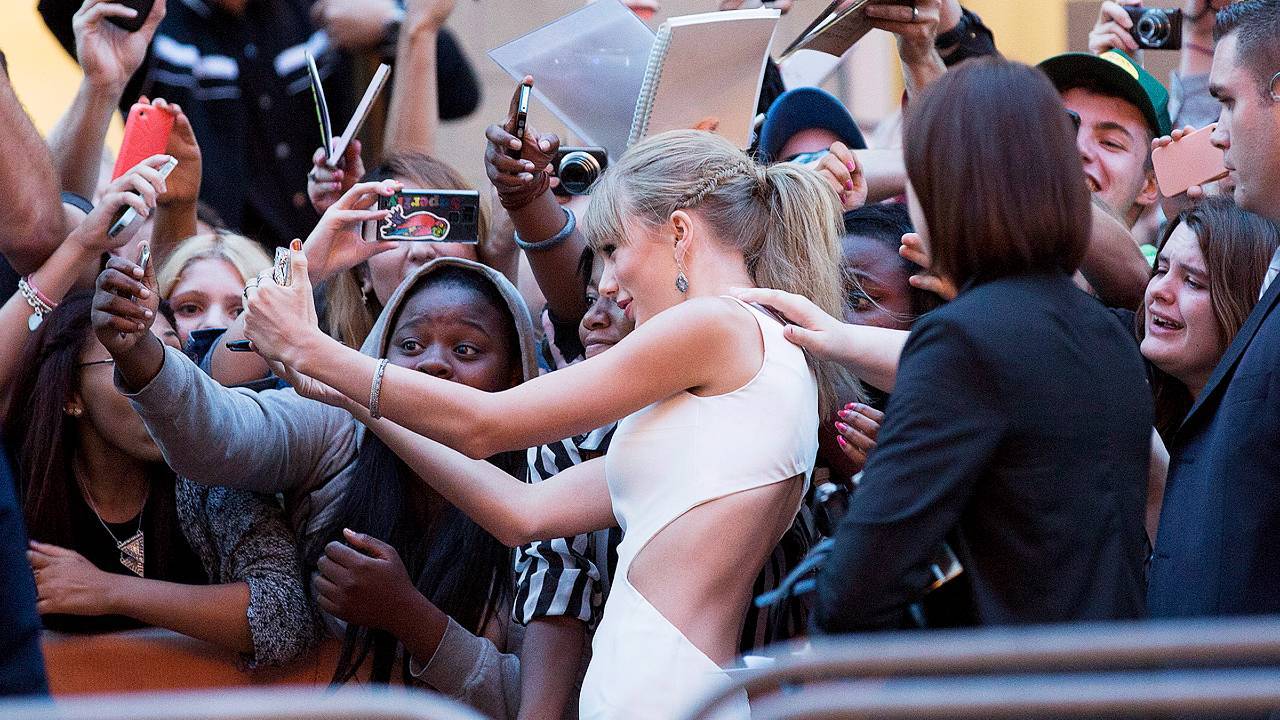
column 128, row 215
column 136, row 22
column 431, row 216
column 522, row 115
column 1193, row 160
column 146, row 133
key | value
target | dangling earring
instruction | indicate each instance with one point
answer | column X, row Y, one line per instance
column 73, row 411
column 682, row 282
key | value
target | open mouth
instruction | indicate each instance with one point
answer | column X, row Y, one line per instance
column 1165, row 323
column 1093, row 184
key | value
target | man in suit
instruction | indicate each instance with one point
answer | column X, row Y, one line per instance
column 1218, row 547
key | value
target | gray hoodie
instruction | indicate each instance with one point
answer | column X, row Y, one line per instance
column 276, row 441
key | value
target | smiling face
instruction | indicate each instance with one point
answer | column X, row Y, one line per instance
column 1182, row 336
column 605, row 324
column 639, row 273
column 209, row 294
column 455, row 333
column 1114, row 143
column 1248, row 131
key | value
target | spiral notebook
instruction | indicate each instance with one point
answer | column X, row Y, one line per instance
column 705, row 71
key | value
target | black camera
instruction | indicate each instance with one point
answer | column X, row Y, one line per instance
column 579, row 168
column 1156, row 28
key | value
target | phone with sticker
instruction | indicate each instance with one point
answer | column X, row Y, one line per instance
column 451, row 216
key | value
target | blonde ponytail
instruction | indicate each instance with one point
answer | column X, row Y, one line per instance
column 784, row 218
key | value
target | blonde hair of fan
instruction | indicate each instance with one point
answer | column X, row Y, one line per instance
column 784, row 218
column 245, row 255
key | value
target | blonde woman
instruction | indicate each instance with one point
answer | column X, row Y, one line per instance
column 204, row 278
column 678, row 222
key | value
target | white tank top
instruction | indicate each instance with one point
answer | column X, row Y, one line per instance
column 686, row 450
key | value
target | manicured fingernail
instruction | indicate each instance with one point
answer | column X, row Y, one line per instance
column 843, row 443
column 296, row 244
column 515, row 144
column 546, row 146
column 851, row 166
column 844, row 414
column 848, row 184
column 137, row 271
column 147, row 313
column 843, row 428
column 144, row 294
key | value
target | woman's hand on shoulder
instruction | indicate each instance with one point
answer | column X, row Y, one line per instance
column 810, row 326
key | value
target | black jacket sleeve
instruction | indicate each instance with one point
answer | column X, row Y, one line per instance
column 942, row 426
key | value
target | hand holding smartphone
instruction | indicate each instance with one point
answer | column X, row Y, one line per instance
column 146, row 133
column 520, row 114
column 135, row 23
column 451, row 216
column 1189, row 161
column 129, row 214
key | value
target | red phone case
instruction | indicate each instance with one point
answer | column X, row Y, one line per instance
column 146, row 133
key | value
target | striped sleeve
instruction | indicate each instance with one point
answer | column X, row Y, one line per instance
column 558, row 577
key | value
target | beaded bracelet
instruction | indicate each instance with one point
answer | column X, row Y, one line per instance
column 570, row 224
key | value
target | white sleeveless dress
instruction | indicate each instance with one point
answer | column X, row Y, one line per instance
column 665, row 460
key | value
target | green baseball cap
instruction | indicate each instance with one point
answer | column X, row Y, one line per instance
column 1118, row 73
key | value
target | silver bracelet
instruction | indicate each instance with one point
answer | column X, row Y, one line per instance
column 375, row 392
column 570, row 224
column 39, row 308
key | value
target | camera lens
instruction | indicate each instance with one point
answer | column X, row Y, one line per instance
column 1154, row 29
column 578, row 171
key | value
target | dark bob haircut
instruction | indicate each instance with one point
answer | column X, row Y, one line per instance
column 991, row 155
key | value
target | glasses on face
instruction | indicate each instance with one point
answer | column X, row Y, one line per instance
column 91, row 363
column 1075, row 119
column 808, row 157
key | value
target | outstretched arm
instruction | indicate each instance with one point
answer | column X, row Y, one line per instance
column 573, row 502
column 701, row 343
column 414, row 115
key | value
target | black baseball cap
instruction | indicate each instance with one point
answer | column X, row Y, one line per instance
column 806, row 108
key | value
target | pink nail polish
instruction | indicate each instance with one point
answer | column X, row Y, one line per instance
column 843, row 443
column 842, row 427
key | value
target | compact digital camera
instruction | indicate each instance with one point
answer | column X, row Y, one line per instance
column 579, row 168
column 1156, row 28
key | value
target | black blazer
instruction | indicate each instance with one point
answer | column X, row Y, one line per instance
column 1218, row 548
column 1019, row 429
column 21, row 660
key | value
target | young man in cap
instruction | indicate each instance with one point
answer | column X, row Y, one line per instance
column 1122, row 108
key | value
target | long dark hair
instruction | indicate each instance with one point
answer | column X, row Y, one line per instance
column 1237, row 246
column 44, row 439
column 456, row 564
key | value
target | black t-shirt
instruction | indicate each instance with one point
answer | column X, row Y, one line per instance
column 167, row 554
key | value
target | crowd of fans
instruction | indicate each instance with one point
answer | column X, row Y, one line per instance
column 975, row 357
